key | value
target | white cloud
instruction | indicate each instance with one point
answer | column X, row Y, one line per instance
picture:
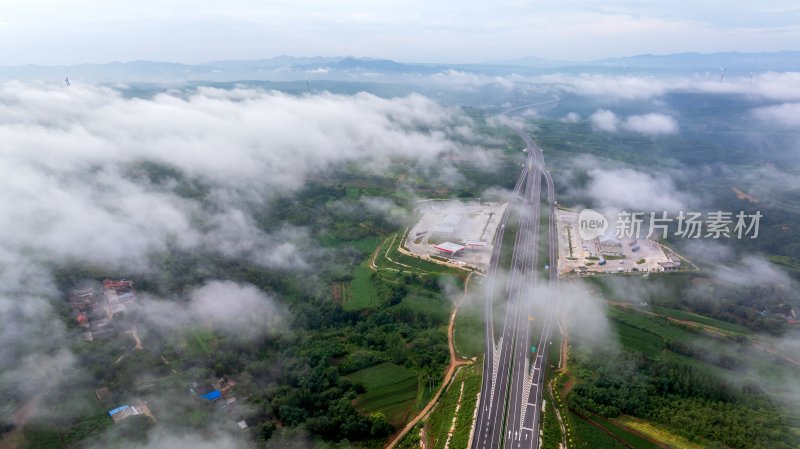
column 571, row 117
column 580, row 309
column 785, row 115
column 651, row 124
column 777, row 86
column 233, row 309
column 752, row 270
column 73, row 188
column 604, row 120
column 607, row 86
column 69, row 191
column 461, row 80
column 633, row 190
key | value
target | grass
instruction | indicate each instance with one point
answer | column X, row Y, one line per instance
column 352, row 192
column 201, row 340
column 391, row 389
column 436, row 309
column 653, row 324
column 625, row 435
column 441, row 419
column 551, row 431
column 689, row 316
column 468, row 333
column 363, row 294
column 364, row 245
column 656, row 433
column 341, row 292
column 639, row 340
column 649, row 334
column 403, row 262
column 411, row 440
column 587, row 436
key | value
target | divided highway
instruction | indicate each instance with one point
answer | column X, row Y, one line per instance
column 513, row 373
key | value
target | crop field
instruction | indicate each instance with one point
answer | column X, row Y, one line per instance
column 391, row 389
column 587, row 436
column 468, row 333
column 201, row 340
column 414, row 308
column 341, row 292
column 730, row 328
column 551, row 431
column 630, row 438
column 365, row 245
column 363, row 294
column 632, row 325
column 655, row 433
column 647, row 343
column 649, row 335
column 441, row 420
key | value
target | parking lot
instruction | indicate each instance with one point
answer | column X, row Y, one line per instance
column 576, row 255
column 472, row 224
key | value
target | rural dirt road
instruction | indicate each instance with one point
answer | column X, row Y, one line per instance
column 455, row 363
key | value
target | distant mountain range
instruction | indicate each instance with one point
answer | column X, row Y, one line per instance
column 784, row 61
column 285, row 68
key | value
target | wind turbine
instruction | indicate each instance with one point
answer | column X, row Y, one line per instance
column 752, row 72
column 721, row 73
column 66, row 82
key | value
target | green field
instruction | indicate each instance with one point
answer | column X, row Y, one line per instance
column 201, row 340
column 587, row 436
column 441, row 419
column 628, row 437
column 365, row 245
column 352, row 192
column 656, row 433
column 468, row 333
column 391, row 389
column 364, row 295
column 415, row 308
column 551, row 430
column 731, row 328
column 646, row 333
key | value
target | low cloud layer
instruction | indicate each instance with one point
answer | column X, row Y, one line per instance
column 235, row 310
column 620, row 87
column 786, row 115
column 89, row 176
column 652, row 124
column 634, row 190
column 71, row 188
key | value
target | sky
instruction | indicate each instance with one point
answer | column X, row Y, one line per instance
column 100, row 31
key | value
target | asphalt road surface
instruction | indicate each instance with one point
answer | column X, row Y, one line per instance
column 513, row 376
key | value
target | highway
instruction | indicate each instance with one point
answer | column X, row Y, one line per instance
column 513, row 376
column 521, row 285
column 490, row 414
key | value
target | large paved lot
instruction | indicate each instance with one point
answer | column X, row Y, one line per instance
column 456, row 222
column 587, row 253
